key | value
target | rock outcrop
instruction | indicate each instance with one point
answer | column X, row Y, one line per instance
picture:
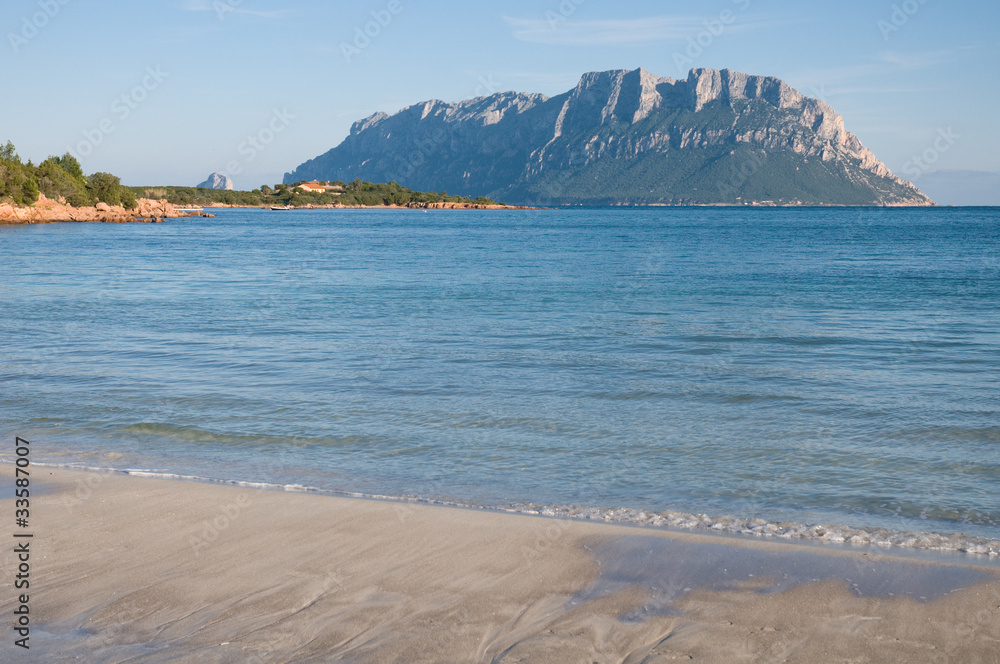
column 624, row 137
column 46, row 210
column 448, row 205
column 217, row 181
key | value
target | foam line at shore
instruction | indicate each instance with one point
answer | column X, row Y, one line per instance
column 829, row 534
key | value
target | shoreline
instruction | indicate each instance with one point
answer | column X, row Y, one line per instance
column 857, row 538
column 609, row 206
column 43, row 212
column 152, row 212
column 47, row 211
column 409, row 206
column 163, row 570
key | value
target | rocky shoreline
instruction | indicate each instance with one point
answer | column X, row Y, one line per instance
column 46, row 210
column 409, row 206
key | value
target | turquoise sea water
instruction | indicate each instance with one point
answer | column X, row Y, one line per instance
column 801, row 365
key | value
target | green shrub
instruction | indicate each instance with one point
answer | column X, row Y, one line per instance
column 106, row 188
column 56, row 183
column 17, row 180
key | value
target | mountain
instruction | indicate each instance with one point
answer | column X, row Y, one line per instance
column 624, row 137
column 217, row 181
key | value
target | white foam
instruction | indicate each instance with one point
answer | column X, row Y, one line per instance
column 163, row 475
column 835, row 534
column 954, row 542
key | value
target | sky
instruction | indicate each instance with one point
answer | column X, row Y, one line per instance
column 165, row 93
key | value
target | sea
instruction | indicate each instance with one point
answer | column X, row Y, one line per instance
column 822, row 374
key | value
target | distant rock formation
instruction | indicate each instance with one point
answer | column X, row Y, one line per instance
column 624, row 137
column 217, row 181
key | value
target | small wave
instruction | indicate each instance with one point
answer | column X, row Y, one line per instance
column 193, row 434
column 834, row 534
column 830, row 534
column 163, row 475
column 759, row 398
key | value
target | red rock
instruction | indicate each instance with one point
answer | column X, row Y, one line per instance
column 46, row 210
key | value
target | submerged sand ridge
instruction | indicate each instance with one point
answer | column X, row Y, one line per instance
column 672, row 568
column 148, row 570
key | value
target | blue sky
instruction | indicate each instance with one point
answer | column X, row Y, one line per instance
column 167, row 92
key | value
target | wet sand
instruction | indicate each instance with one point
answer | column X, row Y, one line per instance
column 149, row 570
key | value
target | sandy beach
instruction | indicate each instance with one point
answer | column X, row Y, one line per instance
column 141, row 569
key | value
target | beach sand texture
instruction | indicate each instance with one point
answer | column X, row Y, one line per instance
column 133, row 569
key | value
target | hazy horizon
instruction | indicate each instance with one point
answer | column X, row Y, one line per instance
column 165, row 94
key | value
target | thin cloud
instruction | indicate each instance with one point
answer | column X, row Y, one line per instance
column 616, row 32
column 912, row 61
column 539, row 81
column 226, row 7
column 582, row 33
column 889, row 90
column 879, row 66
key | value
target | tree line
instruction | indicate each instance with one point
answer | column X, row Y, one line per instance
column 356, row 193
column 60, row 179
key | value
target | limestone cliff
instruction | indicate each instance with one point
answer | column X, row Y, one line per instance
column 624, row 137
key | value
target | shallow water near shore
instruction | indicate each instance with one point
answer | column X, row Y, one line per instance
column 670, row 569
column 296, row 577
column 803, row 366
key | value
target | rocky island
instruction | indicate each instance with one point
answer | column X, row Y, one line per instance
column 619, row 137
column 217, row 181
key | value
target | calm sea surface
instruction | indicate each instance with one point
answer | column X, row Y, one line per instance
column 814, row 366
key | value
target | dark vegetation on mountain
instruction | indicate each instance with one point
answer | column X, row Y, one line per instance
column 625, row 137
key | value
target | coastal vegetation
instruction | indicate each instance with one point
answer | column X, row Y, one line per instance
column 59, row 179
column 62, row 179
column 201, row 197
column 353, row 194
